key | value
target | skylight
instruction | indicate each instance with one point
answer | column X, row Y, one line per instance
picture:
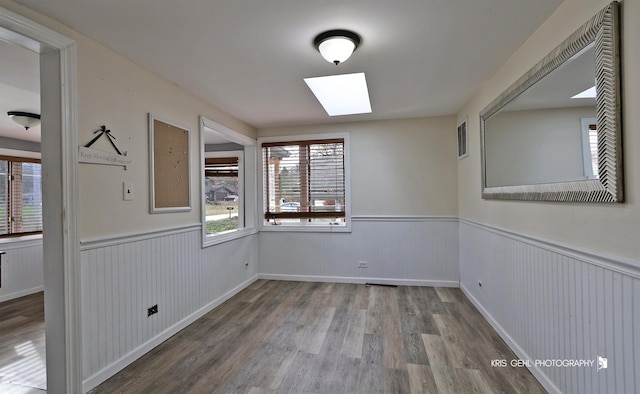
column 345, row 94
column 589, row 93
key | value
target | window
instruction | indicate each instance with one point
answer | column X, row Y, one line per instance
column 463, row 141
column 305, row 183
column 227, row 172
column 590, row 147
column 21, row 196
column 223, row 186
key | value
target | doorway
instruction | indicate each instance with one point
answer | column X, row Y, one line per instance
column 57, row 56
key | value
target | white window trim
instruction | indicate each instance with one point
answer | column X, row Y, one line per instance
column 586, row 148
column 306, row 227
column 249, row 186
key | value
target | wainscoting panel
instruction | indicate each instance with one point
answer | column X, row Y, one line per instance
column 121, row 280
column 397, row 250
column 556, row 302
column 22, row 269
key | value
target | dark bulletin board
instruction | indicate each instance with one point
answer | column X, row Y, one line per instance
column 170, row 180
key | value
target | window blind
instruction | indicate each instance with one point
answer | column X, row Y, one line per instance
column 4, row 197
column 304, row 180
column 221, row 167
column 30, row 196
column 21, row 196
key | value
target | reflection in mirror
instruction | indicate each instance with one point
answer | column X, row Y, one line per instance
column 554, row 135
column 538, row 137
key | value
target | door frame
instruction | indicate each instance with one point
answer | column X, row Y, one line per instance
column 58, row 81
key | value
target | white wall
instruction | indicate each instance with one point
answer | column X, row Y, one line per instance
column 403, row 186
column 122, row 277
column 412, row 251
column 116, row 92
column 131, row 258
column 398, row 167
column 119, row 94
column 606, row 228
column 21, row 268
column 558, row 278
column 556, row 302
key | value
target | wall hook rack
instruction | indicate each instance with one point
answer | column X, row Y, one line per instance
column 94, row 156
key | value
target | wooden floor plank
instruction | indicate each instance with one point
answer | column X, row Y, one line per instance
column 396, row 380
column 443, row 371
column 444, row 293
column 472, row 381
column 346, row 376
column 353, row 340
column 22, row 345
column 313, row 339
column 276, row 337
column 421, row 380
column 457, row 343
column 304, row 337
column 371, row 367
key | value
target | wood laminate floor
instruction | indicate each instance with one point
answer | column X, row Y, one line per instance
column 22, row 350
column 302, row 337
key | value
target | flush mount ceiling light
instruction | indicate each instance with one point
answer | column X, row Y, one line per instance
column 25, row 119
column 336, row 46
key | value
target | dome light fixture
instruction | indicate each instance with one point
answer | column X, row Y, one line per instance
column 336, row 46
column 25, row 119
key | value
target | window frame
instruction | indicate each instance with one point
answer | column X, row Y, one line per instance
column 249, row 184
column 304, row 226
column 20, row 159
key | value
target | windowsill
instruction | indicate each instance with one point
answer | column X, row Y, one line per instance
column 212, row 240
column 20, row 239
column 306, row 228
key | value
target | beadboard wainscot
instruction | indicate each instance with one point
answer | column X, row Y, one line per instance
column 22, row 267
column 399, row 250
column 123, row 276
column 551, row 301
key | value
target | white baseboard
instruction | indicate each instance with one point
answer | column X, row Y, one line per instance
column 21, row 293
column 115, row 367
column 343, row 279
column 517, row 349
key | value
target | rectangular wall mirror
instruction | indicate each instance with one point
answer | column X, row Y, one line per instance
column 555, row 134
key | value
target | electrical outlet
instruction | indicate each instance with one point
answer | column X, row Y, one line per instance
column 363, row 264
column 153, row 310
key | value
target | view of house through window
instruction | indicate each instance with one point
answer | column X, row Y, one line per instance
column 304, row 182
column 20, row 196
column 223, row 191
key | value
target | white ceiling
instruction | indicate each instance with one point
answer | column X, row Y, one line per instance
column 19, row 89
column 249, row 57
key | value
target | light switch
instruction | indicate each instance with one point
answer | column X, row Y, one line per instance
column 127, row 191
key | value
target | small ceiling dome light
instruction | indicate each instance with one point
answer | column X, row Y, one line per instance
column 336, row 46
column 25, row 119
